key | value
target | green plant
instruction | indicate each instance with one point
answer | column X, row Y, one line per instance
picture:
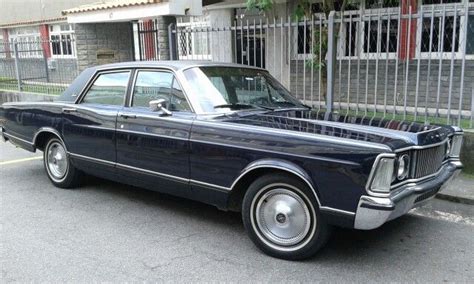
column 320, row 37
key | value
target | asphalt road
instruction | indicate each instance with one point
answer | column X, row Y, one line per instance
column 105, row 231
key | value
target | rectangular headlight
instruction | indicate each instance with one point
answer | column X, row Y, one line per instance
column 383, row 175
column 456, row 144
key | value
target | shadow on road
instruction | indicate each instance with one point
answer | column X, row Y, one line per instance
column 346, row 243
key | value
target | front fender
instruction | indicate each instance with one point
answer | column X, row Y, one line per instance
column 281, row 165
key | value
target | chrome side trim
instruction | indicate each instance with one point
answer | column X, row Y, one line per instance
column 325, row 208
column 87, row 158
column 422, row 147
column 8, row 135
column 318, row 158
column 180, row 179
column 280, row 168
column 205, row 184
column 152, row 134
column 320, row 137
column 49, row 130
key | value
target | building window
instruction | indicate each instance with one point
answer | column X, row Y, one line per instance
column 62, row 40
column 305, row 33
column 28, row 41
column 194, row 38
column 380, row 37
column 3, row 48
column 440, row 34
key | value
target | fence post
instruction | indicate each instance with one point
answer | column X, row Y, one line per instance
column 331, row 63
column 17, row 65
column 171, row 42
column 45, row 62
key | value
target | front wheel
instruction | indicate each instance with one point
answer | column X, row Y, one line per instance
column 58, row 165
column 282, row 218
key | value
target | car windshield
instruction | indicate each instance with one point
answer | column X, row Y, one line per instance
column 224, row 89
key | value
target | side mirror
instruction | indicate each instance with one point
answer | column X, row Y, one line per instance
column 159, row 105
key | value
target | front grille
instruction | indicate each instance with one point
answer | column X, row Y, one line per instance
column 428, row 161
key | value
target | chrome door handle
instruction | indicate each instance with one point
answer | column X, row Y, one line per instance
column 124, row 115
column 69, row 110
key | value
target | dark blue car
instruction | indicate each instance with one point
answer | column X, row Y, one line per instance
column 232, row 136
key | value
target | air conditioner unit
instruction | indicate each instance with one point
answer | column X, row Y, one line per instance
column 52, row 64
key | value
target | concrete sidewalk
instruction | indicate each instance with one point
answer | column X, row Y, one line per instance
column 460, row 190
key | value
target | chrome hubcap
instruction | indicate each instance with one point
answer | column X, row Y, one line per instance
column 283, row 217
column 57, row 160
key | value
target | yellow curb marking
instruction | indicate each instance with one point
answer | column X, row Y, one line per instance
column 20, row 160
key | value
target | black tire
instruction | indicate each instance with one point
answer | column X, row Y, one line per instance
column 278, row 234
column 66, row 175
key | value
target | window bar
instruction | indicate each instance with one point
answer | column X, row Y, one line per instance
column 350, row 66
column 312, row 60
column 261, row 44
column 428, row 74
column 472, row 105
column 418, row 47
column 451, row 71
column 274, row 48
column 378, row 52
column 440, row 53
column 241, row 41
column 367, row 65
column 407, row 58
column 359, row 47
column 157, row 43
column 339, row 47
column 289, row 53
column 320, row 52
column 247, row 50
column 140, row 45
column 396, row 66
column 281, row 49
column 304, row 60
column 198, row 33
column 235, row 41
column 463, row 63
column 387, row 49
column 254, row 45
column 297, row 54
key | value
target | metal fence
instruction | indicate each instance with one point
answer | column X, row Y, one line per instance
column 41, row 66
column 415, row 65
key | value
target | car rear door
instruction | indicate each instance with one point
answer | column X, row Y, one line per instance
column 89, row 125
column 153, row 147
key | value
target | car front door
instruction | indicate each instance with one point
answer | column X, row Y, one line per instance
column 89, row 125
column 152, row 146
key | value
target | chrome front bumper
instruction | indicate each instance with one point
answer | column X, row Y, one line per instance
column 373, row 212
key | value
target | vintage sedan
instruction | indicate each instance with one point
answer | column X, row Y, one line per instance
column 233, row 136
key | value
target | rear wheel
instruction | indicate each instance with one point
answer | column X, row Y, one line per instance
column 58, row 165
column 281, row 216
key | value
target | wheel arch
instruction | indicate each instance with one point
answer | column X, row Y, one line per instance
column 41, row 137
column 260, row 168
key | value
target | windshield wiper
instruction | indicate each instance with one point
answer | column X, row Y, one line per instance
column 240, row 106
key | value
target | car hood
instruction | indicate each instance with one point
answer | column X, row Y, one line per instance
column 393, row 133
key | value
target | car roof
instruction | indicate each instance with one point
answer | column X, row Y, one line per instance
column 170, row 64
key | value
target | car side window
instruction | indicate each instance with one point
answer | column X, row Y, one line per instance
column 155, row 85
column 108, row 89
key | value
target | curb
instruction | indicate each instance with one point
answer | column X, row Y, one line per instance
column 456, row 199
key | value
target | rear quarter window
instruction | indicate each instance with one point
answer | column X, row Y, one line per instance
column 108, row 89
